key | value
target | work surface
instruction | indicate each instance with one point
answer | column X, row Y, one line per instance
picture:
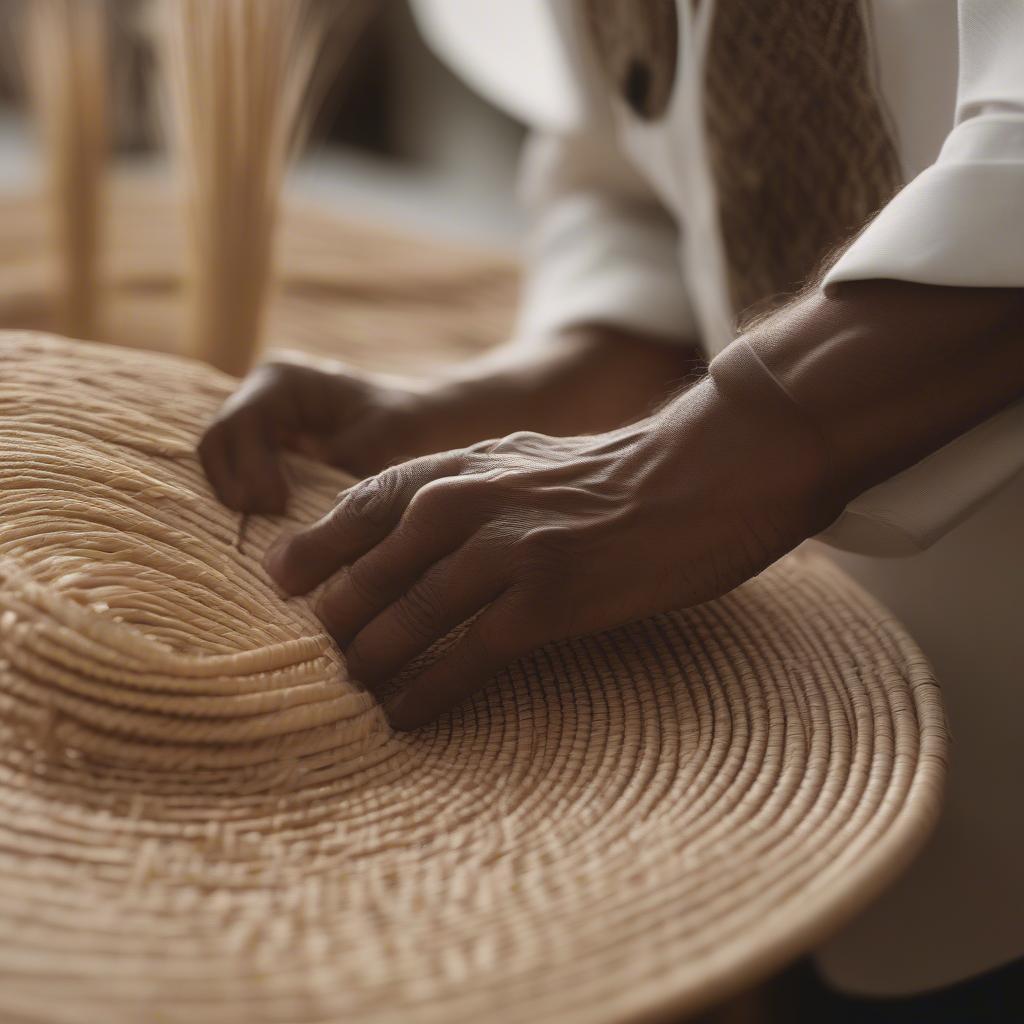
column 348, row 289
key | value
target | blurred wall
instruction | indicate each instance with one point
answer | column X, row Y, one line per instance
column 393, row 119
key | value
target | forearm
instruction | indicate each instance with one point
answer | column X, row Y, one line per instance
column 889, row 372
column 586, row 380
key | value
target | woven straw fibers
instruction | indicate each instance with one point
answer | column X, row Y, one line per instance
column 380, row 300
column 204, row 820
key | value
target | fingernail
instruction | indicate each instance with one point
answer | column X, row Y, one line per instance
column 274, row 559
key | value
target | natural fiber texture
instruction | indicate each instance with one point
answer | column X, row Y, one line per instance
column 66, row 72
column 377, row 299
column 239, row 72
column 799, row 145
column 204, row 820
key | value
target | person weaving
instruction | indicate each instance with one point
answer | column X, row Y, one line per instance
column 589, row 473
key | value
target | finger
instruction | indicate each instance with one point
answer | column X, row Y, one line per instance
column 447, row 594
column 276, row 405
column 239, row 450
column 215, row 459
column 499, row 635
column 362, row 518
column 390, row 569
column 258, row 470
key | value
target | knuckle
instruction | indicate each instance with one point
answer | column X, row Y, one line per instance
column 524, row 438
column 420, row 608
column 331, row 530
column 371, row 499
column 475, row 491
column 545, row 544
column 519, row 441
column 362, row 585
column 432, row 499
column 277, row 371
column 347, row 600
column 448, row 497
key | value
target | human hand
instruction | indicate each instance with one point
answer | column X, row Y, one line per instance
column 536, row 538
column 587, row 379
column 343, row 418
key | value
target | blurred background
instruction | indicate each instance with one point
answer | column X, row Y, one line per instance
column 399, row 138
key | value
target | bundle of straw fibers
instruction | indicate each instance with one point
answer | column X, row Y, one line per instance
column 239, row 74
column 66, row 44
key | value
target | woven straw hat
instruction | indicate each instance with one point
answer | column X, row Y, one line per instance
column 205, row 820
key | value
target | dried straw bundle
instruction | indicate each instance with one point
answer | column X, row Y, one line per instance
column 66, row 53
column 239, row 73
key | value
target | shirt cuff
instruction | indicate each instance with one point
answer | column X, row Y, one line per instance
column 960, row 224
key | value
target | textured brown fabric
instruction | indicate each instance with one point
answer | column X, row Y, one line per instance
column 799, row 148
column 637, row 45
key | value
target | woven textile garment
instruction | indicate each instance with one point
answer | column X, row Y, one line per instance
column 799, row 148
column 800, row 151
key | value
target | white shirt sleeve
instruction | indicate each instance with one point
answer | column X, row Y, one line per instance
column 601, row 246
column 959, row 223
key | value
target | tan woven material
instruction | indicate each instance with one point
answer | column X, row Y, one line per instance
column 204, row 820
column 239, row 74
column 380, row 300
column 799, row 146
column 65, row 56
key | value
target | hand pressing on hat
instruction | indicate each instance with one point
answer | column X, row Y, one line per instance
column 586, row 379
column 534, row 538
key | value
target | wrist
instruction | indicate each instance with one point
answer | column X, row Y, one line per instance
column 786, row 448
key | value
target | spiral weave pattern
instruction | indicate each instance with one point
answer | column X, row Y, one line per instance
column 203, row 819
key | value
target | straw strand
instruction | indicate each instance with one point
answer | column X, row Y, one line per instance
column 238, row 75
column 66, row 48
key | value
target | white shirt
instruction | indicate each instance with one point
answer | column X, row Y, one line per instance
column 626, row 229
